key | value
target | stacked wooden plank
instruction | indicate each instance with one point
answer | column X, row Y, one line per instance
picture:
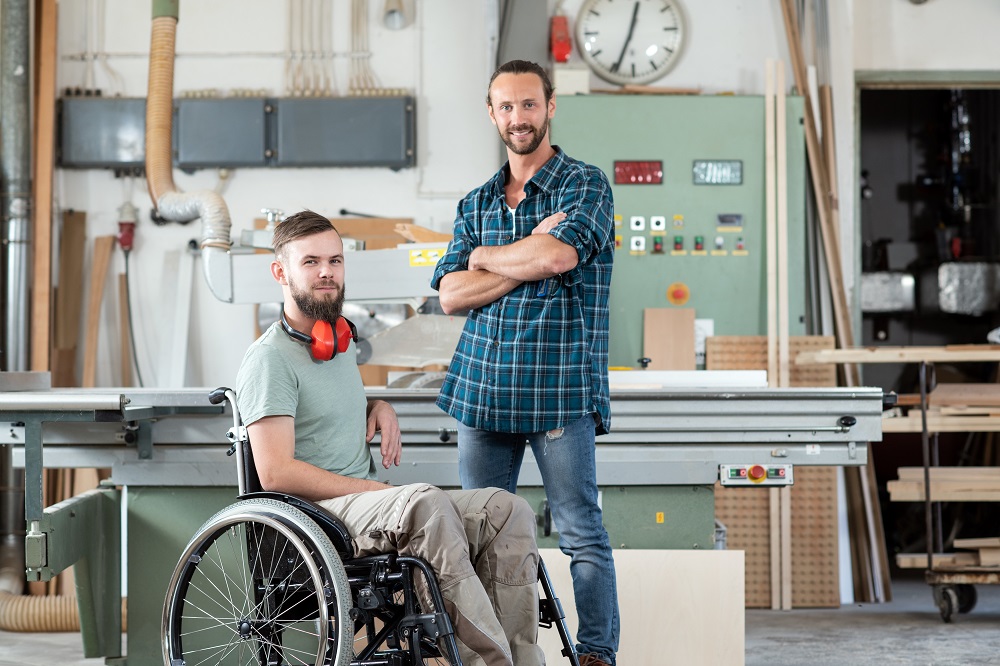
column 948, row 484
column 951, row 408
column 987, row 551
column 980, row 553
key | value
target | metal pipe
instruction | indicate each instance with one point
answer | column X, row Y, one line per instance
column 15, row 162
column 11, row 497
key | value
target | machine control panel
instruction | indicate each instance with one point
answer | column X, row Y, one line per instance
column 756, row 475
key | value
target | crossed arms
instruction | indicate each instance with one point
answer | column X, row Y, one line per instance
column 496, row 270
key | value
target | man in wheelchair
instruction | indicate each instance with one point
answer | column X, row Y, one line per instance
column 309, row 422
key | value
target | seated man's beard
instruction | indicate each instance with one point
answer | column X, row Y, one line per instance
column 326, row 309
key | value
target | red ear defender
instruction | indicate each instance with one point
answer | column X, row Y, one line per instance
column 322, row 346
column 325, row 342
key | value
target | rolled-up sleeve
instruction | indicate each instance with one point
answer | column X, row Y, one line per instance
column 456, row 258
column 587, row 201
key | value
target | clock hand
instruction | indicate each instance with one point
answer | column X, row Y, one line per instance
column 628, row 37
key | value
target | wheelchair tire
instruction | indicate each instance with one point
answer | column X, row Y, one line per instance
column 259, row 583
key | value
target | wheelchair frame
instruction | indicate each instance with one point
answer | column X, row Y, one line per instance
column 272, row 580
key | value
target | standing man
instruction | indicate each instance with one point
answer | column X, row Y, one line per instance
column 301, row 397
column 530, row 263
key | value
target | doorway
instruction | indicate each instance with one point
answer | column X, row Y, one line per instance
column 928, row 167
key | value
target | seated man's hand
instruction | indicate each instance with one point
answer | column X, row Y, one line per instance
column 382, row 418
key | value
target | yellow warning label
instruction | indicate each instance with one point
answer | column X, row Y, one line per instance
column 426, row 256
column 659, row 517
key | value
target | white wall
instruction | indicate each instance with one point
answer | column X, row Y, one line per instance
column 444, row 56
column 936, row 35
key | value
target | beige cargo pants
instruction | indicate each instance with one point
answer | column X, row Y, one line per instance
column 480, row 543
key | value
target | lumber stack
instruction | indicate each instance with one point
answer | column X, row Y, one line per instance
column 942, row 561
column 987, row 551
column 979, row 553
column 948, row 484
column 951, row 408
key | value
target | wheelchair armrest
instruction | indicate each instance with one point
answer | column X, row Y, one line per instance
column 329, row 523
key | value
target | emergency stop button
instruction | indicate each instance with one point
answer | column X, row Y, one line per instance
column 757, row 473
column 678, row 293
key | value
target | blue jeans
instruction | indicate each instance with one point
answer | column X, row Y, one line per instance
column 569, row 471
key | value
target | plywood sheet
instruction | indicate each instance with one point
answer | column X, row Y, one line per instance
column 677, row 606
column 668, row 338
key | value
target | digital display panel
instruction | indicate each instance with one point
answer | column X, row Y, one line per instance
column 638, row 172
column 718, row 172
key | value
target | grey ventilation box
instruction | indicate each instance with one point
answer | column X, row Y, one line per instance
column 345, row 131
column 99, row 132
column 227, row 132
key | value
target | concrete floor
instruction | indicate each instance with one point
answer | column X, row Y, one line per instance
column 907, row 630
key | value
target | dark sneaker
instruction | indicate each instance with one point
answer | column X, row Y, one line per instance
column 592, row 660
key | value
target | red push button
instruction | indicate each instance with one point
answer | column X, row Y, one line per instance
column 678, row 293
column 757, row 473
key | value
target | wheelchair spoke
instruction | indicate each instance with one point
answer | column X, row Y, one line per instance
column 227, row 596
column 238, row 555
column 258, row 584
column 213, row 658
column 226, row 610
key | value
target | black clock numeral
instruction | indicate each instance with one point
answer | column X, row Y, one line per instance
column 594, row 12
column 597, row 53
column 633, row 70
column 590, row 33
column 668, row 49
column 653, row 64
column 672, row 28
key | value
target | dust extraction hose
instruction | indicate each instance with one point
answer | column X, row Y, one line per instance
column 171, row 204
column 30, row 613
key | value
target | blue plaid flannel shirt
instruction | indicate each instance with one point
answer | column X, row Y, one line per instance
column 536, row 358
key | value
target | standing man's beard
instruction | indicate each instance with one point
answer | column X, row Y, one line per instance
column 326, row 309
column 537, row 135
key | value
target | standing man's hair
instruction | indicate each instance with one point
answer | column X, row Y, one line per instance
column 299, row 225
column 522, row 67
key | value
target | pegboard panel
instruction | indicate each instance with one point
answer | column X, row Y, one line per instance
column 815, row 543
column 749, row 352
column 746, row 511
column 742, row 511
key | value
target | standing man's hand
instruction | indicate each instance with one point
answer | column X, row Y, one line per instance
column 382, row 418
column 549, row 223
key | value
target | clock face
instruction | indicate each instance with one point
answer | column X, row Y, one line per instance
column 630, row 41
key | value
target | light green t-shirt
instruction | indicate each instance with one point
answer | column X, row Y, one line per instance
column 279, row 377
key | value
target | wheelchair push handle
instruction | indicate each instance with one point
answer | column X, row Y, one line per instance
column 218, row 396
column 237, row 433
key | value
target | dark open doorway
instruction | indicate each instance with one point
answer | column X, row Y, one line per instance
column 929, row 221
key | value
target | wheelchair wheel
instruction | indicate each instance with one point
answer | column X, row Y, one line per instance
column 259, row 583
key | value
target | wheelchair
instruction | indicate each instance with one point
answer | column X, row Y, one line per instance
column 272, row 581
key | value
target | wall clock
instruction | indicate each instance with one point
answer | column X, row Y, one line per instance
column 630, row 41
